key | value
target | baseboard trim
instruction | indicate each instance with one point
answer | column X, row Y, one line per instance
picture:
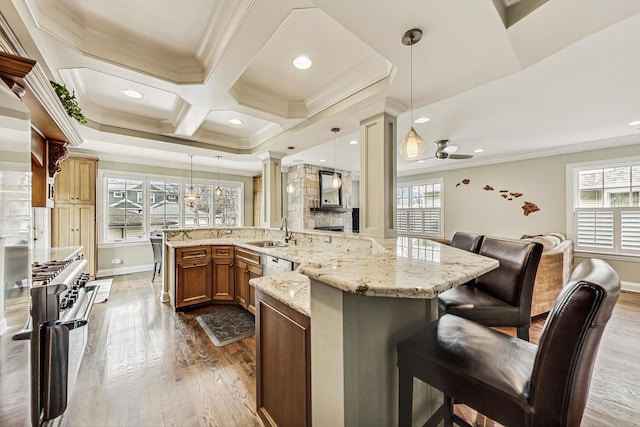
column 124, row 270
column 630, row 286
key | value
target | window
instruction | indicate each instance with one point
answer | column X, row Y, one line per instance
column 419, row 209
column 136, row 206
column 606, row 208
column 164, row 210
column 125, row 216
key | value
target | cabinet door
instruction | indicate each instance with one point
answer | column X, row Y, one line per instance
column 85, row 181
column 65, row 183
column 63, row 226
column 85, row 220
column 193, row 283
column 241, row 280
column 223, row 279
column 251, row 300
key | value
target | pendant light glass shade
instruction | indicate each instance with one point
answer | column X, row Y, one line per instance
column 190, row 195
column 218, row 190
column 336, row 182
column 290, row 187
column 412, row 145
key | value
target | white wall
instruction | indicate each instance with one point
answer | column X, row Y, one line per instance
column 540, row 180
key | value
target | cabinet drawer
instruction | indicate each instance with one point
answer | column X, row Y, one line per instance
column 196, row 252
column 249, row 257
column 222, row 251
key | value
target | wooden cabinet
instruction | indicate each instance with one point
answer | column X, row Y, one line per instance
column 204, row 274
column 283, row 364
column 193, row 276
column 248, row 266
column 73, row 218
column 223, row 279
column 76, row 182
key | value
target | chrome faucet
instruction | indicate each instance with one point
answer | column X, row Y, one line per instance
column 287, row 234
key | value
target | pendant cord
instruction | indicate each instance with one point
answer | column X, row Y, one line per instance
column 411, row 82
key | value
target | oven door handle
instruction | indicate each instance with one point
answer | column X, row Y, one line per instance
column 80, row 321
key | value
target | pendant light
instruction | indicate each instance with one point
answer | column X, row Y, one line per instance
column 336, row 182
column 412, row 145
column 190, row 196
column 290, row 187
column 218, row 189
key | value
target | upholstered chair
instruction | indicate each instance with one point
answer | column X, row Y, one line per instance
column 468, row 241
column 501, row 297
column 509, row 380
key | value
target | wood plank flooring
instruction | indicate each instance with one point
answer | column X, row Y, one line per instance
column 146, row 365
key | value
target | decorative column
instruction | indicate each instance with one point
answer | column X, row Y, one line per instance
column 271, row 190
column 378, row 176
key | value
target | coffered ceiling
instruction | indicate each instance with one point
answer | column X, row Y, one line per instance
column 216, row 76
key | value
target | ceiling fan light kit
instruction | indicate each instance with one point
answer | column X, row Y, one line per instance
column 412, row 145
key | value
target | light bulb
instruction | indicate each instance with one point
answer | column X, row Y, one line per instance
column 412, row 146
column 336, row 182
column 218, row 191
column 290, row 188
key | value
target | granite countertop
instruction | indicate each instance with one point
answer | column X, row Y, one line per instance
column 55, row 254
column 384, row 269
column 291, row 289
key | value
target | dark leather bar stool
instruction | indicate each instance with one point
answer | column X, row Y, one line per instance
column 509, row 380
column 468, row 241
column 156, row 246
column 501, row 297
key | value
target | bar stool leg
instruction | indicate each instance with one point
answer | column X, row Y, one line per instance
column 523, row 333
column 405, row 398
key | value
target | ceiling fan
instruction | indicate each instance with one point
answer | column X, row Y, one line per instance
column 446, row 151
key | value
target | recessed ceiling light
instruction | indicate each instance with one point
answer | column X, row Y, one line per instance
column 302, row 63
column 235, row 121
column 421, row 120
column 634, row 123
column 420, row 161
column 132, row 93
column 479, row 150
column 353, row 142
column 323, row 160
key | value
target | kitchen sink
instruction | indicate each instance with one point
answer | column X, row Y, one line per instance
column 267, row 244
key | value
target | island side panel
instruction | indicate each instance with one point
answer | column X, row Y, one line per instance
column 353, row 357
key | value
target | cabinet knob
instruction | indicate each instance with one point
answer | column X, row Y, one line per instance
column 194, row 263
column 230, row 265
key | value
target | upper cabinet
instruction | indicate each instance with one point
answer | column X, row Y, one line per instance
column 76, row 182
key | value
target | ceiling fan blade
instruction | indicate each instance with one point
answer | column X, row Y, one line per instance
column 450, row 149
column 460, row 156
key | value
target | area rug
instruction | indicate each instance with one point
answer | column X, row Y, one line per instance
column 227, row 326
column 104, row 289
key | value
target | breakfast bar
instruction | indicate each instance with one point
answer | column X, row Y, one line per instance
column 361, row 296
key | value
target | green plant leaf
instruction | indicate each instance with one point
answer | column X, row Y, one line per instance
column 69, row 102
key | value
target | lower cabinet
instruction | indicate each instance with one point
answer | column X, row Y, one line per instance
column 204, row 274
column 248, row 266
column 193, row 282
column 283, row 364
column 223, row 280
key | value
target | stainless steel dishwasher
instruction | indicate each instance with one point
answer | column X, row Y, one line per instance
column 273, row 265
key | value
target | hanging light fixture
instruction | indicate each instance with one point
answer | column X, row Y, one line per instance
column 218, row 189
column 190, row 196
column 412, row 145
column 336, row 182
column 290, row 187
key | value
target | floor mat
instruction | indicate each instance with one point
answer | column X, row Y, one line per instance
column 104, row 289
column 227, row 326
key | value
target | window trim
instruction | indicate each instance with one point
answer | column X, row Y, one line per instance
column 572, row 192
column 102, row 202
column 408, row 233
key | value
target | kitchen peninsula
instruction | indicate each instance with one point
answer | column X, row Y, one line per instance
column 364, row 295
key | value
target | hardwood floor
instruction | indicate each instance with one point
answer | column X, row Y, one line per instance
column 146, row 365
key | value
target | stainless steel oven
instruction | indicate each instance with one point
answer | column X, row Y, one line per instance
column 61, row 301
